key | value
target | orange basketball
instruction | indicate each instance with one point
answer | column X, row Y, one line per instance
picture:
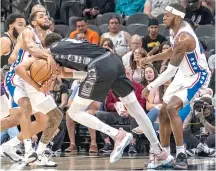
column 39, row 71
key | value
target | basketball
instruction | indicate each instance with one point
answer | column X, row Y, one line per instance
column 40, row 72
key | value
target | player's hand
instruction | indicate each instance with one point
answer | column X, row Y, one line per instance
column 51, row 63
column 145, row 61
column 145, row 93
column 45, row 87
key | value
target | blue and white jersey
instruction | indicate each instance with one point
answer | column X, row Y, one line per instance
column 193, row 62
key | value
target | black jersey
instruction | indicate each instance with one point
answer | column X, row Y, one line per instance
column 75, row 54
column 4, row 58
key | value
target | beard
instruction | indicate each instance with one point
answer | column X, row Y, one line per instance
column 44, row 27
column 15, row 33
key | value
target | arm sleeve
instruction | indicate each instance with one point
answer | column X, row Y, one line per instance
column 164, row 77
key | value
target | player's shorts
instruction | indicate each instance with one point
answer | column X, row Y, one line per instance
column 104, row 73
column 186, row 87
column 41, row 102
column 10, row 87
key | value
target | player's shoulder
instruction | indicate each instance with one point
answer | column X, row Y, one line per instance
column 5, row 40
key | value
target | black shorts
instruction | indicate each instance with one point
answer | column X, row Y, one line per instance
column 104, row 73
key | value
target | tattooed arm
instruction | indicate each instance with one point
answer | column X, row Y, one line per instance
column 184, row 43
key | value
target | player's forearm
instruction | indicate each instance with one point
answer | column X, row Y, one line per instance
column 22, row 72
column 164, row 77
column 37, row 52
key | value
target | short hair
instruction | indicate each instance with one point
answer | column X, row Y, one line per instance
column 178, row 7
column 12, row 18
column 107, row 40
column 36, row 7
column 114, row 17
column 80, row 19
column 52, row 38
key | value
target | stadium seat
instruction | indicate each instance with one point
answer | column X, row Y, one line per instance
column 72, row 22
column 132, row 27
column 104, row 28
column 162, row 29
column 95, row 28
column 141, row 30
column 138, row 18
column 63, row 30
column 105, row 18
column 211, row 45
column 51, row 7
column 205, row 31
column 160, row 18
column 70, row 8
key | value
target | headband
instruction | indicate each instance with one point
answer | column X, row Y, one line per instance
column 175, row 11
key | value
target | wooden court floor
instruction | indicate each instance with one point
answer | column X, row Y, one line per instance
column 95, row 162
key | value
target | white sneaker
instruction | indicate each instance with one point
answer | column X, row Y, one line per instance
column 10, row 151
column 1, row 152
column 30, row 156
column 44, row 160
column 206, row 149
column 160, row 160
column 121, row 141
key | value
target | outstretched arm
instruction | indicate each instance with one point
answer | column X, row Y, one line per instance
column 158, row 57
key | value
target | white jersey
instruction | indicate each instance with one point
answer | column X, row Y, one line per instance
column 193, row 62
column 120, row 43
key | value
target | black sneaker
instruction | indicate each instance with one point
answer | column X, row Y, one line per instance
column 181, row 162
column 132, row 149
column 106, row 149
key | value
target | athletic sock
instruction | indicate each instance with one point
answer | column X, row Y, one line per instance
column 167, row 149
column 13, row 142
column 180, row 149
column 41, row 148
column 27, row 145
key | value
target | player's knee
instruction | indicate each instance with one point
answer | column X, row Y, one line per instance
column 42, row 119
column 172, row 109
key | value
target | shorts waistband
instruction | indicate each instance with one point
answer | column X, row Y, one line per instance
column 99, row 58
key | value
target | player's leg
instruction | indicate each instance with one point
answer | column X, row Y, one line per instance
column 12, row 120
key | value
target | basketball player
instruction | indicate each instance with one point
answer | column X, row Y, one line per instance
column 15, row 24
column 104, row 72
column 189, row 61
column 25, row 95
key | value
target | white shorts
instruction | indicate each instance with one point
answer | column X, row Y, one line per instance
column 186, row 87
column 41, row 102
column 4, row 109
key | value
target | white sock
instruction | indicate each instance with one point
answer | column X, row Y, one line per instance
column 27, row 144
column 93, row 122
column 14, row 141
column 136, row 111
column 180, row 149
column 167, row 149
column 41, row 148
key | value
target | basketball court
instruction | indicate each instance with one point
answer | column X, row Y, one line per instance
column 69, row 161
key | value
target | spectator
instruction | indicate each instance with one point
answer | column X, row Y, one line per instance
column 52, row 24
column 111, row 116
column 154, row 8
column 120, row 39
column 136, row 42
column 151, row 42
column 108, row 44
column 200, row 121
column 80, row 36
column 93, row 8
column 137, row 70
column 210, row 4
column 93, row 107
column 189, row 21
column 198, row 13
column 212, row 66
column 129, row 7
column 82, row 27
column 60, row 95
column 162, row 65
